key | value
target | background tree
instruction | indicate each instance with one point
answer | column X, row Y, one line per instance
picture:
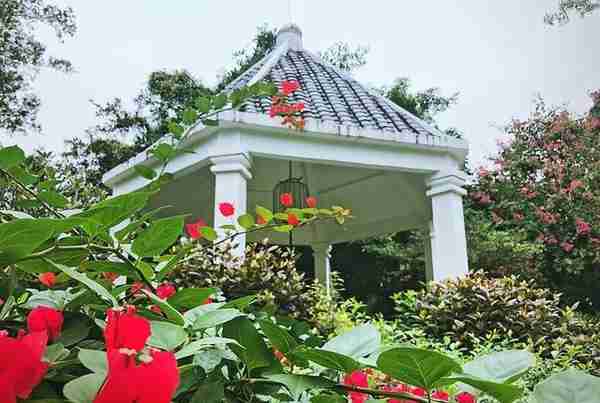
column 22, row 55
column 568, row 7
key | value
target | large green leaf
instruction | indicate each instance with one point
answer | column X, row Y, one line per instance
column 19, row 238
column 255, row 353
column 70, row 258
column 94, row 360
column 356, row 343
column 113, row 211
column 76, row 327
column 120, row 268
column 328, row 359
column 417, row 367
column 503, row 366
column 11, row 156
column 83, row 389
column 53, row 198
column 209, row 391
column 298, row 384
column 195, row 346
column 189, row 298
column 167, row 336
column 216, row 318
column 567, row 387
column 91, row 284
column 279, row 337
column 155, row 239
column 503, row 392
column 172, row 314
column 145, row 172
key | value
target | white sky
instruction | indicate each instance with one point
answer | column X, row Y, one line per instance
column 497, row 53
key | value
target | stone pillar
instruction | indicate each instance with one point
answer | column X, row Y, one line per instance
column 321, row 255
column 447, row 233
column 231, row 175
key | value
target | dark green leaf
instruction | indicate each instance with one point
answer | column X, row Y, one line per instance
column 209, row 392
column 195, row 346
column 155, row 239
column 105, row 266
column 76, row 327
column 279, row 337
column 19, row 238
column 255, row 353
column 172, row 314
column 503, row 392
column 53, row 198
column 11, row 156
column 219, row 101
column 298, row 384
column 328, row 359
column 241, row 303
column 189, row 298
column 91, row 284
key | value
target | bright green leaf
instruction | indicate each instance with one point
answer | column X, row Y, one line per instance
column 356, row 343
column 298, row 384
column 255, row 353
column 503, row 392
column 328, row 359
column 216, row 318
column 91, row 284
column 11, row 156
column 189, row 298
column 145, row 172
column 155, row 239
column 246, row 221
column 209, row 234
column 172, row 313
column 265, row 213
column 203, row 105
column 190, row 116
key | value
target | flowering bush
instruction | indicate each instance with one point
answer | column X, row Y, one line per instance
column 546, row 185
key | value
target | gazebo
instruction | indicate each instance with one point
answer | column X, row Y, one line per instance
column 358, row 150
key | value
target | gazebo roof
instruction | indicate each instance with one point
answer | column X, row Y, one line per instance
column 329, row 95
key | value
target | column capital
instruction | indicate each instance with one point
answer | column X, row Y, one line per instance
column 446, row 182
column 321, row 249
column 240, row 163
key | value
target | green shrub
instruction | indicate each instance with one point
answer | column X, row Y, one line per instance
column 476, row 308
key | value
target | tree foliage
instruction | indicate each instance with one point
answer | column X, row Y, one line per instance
column 22, row 55
column 568, row 7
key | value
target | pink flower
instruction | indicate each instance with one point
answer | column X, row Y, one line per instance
column 575, row 184
column 360, row 379
column 583, row 228
column 483, row 172
column 567, row 246
column 226, row 209
column 165, row 291
column 465, row 397
column 518, row 216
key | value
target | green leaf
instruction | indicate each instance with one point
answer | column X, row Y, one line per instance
column 176, row 129
column 11, row 156
column 503, row 392
column 53, row 198
column 172, row 313
column 279, row 337
column 246, row 221
column 76, row 327
column 566, row 387
column 23, row 175
column 255, row 353
column 145, row 172
column 83, row 389
column 94, row 360
column 356, row 343
column 195, row 346
column 216, row 318
column 164, row 152
column 189, row 298
column 209, row 391
column 284, row 228
column 105, row 266
column 298, row 384
column 328, row 359
column 203, row 104
column 166, row 336
column 241, row 303
column 190, row 116
column 328, row 398
column 417, row 367
column 113, row 211
column 209, row 234
column 55, row 352
column 219, row 101
column 91, row 284
column 155, row 239
column 503, row 366
column 19, row 238
column 265, row 213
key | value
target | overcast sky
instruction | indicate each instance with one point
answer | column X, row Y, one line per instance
column 497, row 53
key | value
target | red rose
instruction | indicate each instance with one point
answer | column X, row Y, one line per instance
column 311, row 201
column 194, row 229
column 287, row 87
column 293, row 219
column 153, row 380
column 165, row 291
column 21, row 365
column 226, row 209
column 465, row 397
column 48, row 279
column 286, row 199
column 125, row 329
column 44, row 319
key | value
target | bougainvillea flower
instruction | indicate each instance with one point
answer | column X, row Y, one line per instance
column 194, row 229
column 397, row 389
column 360, row 379
column 166, row 291
column 110, row 276
column 583, row 228
column 21, row 365
column 48, row 279
column 226, row 209
column 153, row 380
column 125, row 329
column 44, row 319
column 288, row 87
column 293, row 219
column 440, row 395
column 156, row 309
column 136, row 287
column 286, row 199
column 418, row 392
column 567, row 246
column 311, row 201
column 465, row 397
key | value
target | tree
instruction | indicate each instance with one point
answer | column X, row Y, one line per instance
column 22, row 55
column 344, row 57
column 568, row 7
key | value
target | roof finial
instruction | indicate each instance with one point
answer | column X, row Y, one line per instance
column 290, row 34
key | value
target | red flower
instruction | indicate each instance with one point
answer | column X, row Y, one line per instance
column 583, row 228
column 193, row 229
column 44, row 319
column 156, row 309
column 21, row 365
column 110, row 276
column 286, row 199
column 465, row 397
column 125, row 329
column 293, row 219
column 260, row 220
column 153, row 380
column 398, row 389
column 287, row 87
column 1, row 301
column 418, row 392
column 165, row 291
column 311, row 201
column 226, row 209
column 136, row 287
column 207, row 301
column 48, row 279
column 440, row 395
column 360, row 379
column 567, row 246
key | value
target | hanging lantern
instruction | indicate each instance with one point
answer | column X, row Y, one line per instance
column 295, row 187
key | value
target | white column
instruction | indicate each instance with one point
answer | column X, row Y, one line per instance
column 231, row 175
column 448, row 239
column 321, row 255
